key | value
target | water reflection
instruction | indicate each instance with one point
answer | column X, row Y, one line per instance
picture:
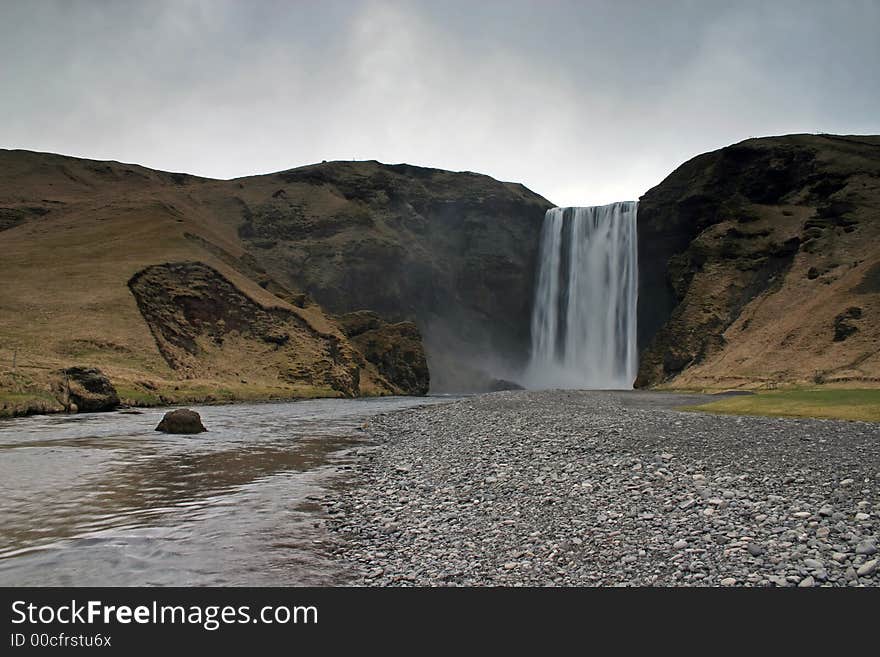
column 103, row 499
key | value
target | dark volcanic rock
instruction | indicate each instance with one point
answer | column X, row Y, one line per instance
column 499, row 385
column 843, row 326
column 182, row 420
column 88, row 390
column 395, row 349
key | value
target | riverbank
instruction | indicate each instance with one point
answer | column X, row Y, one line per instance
column 34, row 400
column 595, row 488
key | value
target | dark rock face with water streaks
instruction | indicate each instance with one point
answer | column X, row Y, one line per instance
column 453, row 252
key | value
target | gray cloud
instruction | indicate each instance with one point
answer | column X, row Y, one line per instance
column 584, row 102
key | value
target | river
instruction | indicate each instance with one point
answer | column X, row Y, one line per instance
column 102, row 499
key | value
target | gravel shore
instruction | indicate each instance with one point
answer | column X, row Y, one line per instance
column 598, row 488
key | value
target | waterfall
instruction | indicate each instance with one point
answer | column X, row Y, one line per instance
column 584, row 317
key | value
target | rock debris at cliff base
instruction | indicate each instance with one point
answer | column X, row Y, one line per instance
column 589, row 488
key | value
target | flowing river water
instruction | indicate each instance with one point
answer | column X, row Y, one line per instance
column 102, row 499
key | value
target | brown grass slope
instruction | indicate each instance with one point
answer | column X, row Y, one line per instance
column 74, row 232
column 760, row 265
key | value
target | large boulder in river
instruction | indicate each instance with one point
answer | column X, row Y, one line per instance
column 88, row 390
column 182, row 420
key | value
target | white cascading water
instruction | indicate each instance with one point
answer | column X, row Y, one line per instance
column 584, row 317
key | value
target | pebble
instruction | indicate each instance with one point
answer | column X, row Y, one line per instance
column 867, row 568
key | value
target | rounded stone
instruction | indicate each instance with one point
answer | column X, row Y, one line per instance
column 181, row 421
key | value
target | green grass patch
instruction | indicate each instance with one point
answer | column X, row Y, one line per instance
column 14, row 404
column 831, row 403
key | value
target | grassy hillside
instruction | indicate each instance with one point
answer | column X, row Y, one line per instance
column 760, row 266
column 74, row 232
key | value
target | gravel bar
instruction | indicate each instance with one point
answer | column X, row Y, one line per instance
column 571, row 488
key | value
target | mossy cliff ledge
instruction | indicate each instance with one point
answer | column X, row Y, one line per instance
column 758, row 265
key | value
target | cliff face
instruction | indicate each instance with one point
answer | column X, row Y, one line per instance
column 453, row 252
column 758, row 264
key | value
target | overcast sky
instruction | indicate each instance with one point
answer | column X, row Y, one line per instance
column 585, row 102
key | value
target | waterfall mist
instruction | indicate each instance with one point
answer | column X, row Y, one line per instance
column 584, row 317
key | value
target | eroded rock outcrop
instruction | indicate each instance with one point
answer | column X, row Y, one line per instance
column 86, row 390
column 394, row 349
column 204, row 326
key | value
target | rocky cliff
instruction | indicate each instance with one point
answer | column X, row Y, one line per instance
column 453, row 252
column 759, row 264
